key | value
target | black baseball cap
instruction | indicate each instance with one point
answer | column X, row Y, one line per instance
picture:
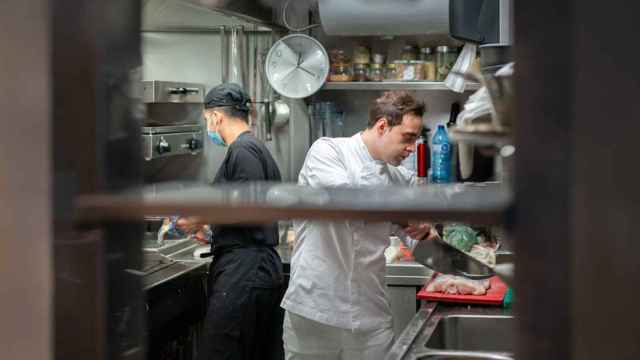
column 228, row 94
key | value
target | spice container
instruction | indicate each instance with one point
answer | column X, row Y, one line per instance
column 360, row 72
column 376, row 73
column 340, row 69
column 340, row 72
column 410, row 70
column 429, row 58
column 338, row 56
column 445, row 59
column 418, row 68
column 390, row 72
column 409, row 53
column 361, row 55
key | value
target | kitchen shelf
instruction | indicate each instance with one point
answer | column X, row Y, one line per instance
column 497, row 139
column 393, row 85
column 483, row 203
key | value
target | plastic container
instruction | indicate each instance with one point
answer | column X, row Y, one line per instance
column 440, row 156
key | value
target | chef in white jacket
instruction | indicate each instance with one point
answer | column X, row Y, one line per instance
column 336, row 305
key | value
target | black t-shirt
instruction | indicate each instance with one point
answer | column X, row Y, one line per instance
column 247, row 160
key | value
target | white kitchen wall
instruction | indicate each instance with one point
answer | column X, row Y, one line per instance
column 195, row 57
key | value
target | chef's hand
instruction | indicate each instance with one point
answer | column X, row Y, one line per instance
column 190, row 225
column 203, row 236
column 419, row 231
column 195, row 228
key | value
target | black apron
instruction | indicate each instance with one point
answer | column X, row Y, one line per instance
column 244, row 318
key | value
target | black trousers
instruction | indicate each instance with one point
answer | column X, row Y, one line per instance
column 244, row 318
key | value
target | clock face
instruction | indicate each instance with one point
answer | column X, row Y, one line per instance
column 297, row 66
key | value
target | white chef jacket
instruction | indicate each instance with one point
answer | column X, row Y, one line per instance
column 338, row 267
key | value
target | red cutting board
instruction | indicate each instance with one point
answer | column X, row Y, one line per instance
column 494, row 296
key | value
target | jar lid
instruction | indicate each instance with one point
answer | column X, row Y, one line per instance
column 376, row 66
column 360, row 66
column 443, row 49
column 391, row 66
column 416, row 62
column 401, row 62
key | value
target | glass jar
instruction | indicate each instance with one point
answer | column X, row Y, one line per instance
column 409, row 53
column 340, row 69
column 361, row 55
column 429, row 58
column 338, row 56
column 390, row 73
column 340, row 72
column 376, row 73
column 360, row 72
column 425, row 53
column 445, row 59
column 410, row 70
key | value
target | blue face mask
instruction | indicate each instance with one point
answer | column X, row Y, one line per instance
column 216, row 138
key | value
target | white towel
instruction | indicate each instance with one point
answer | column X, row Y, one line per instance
column 462, row 65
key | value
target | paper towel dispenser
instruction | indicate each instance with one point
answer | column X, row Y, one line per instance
column 475, row 21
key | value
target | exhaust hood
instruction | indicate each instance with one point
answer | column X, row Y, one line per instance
column 383, row 17
column 200, row 15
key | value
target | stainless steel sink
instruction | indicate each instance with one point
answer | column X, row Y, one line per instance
column 473, row 333
column 457, row 332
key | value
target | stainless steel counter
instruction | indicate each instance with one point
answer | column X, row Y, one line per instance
column 180, row 254
column 171, row 272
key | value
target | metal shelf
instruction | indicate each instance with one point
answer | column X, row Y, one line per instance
column 497, row 139
column 393, row 85
column 257, row 203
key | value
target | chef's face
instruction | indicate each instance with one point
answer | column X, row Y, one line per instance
column 398, row 142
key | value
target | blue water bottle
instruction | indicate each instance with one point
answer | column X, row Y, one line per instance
column 440, row 156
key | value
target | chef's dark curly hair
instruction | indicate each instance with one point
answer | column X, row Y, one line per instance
column 393, row 105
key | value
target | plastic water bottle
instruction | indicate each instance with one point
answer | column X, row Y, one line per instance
column 440, row 156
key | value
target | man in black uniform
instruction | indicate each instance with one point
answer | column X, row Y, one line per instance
column 244, row 319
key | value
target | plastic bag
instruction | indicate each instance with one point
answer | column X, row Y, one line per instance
column 461, row 237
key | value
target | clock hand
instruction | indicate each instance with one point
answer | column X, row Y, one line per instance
column 307, row 71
